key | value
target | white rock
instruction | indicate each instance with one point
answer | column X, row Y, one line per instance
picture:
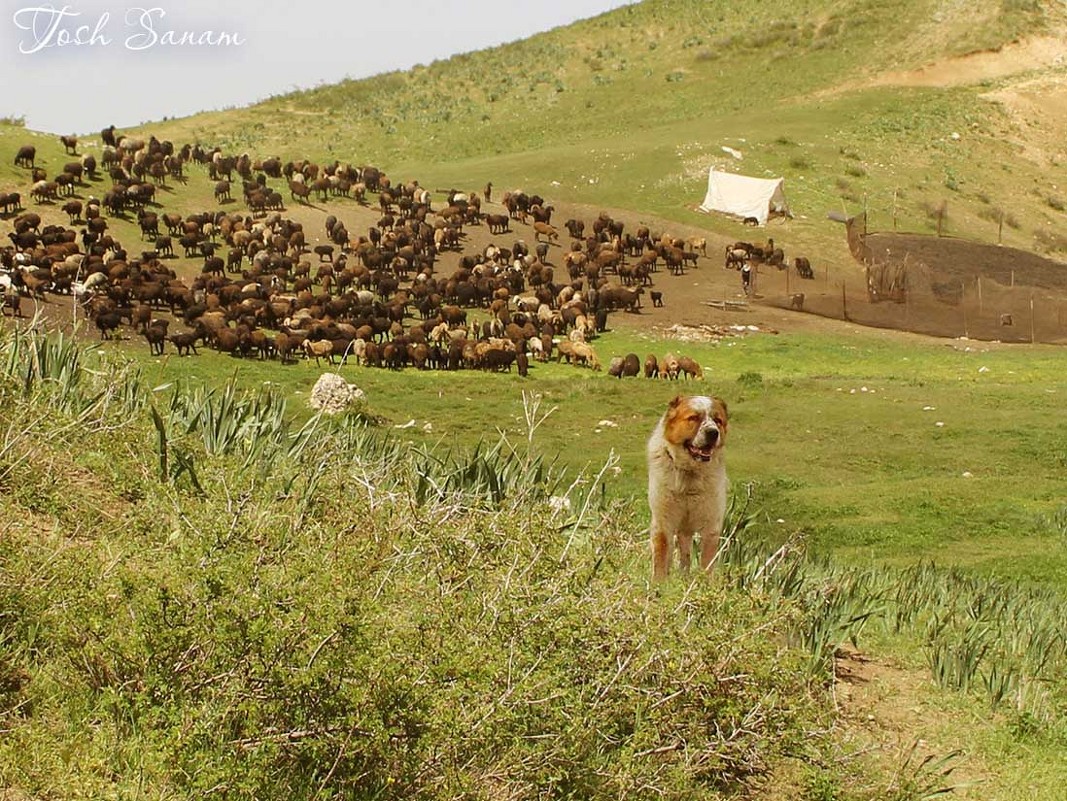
column 332, row 394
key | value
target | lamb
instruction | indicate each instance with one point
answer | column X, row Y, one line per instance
column 70, row 144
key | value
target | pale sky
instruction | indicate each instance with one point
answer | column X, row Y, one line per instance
column 76, row 66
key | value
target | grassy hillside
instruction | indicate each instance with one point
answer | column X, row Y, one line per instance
column 630, row 108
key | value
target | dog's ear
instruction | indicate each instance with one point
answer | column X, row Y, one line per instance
column 720, row 406
column 674, row 403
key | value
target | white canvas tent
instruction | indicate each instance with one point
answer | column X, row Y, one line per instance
column 744, row 196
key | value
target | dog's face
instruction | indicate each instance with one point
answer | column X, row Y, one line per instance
column 698, row 424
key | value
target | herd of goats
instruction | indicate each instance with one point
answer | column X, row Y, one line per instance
column 379, row 298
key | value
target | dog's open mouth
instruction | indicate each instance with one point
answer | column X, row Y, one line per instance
column 703, row 454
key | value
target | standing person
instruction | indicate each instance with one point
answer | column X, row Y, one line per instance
column 746, row 278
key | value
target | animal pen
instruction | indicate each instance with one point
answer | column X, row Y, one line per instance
column 936, row 285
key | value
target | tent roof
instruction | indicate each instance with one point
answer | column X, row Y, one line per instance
column 743, row 195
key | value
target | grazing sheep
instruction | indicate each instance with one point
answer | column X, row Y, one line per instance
column 583, row 353
column 73, row 209
column 320, row 349
column 651, row 366
column 26, row 156
column 184, row 342
column 698, row 243
column 222, row 191
column 631, row 365
column 669, row 367
column 9, row 298
column 657, row 298
column 803, row 267
column 156, row 334
column 690, row 368
column 497, row 223
column 107, row 323
column 796, row 301
column 70, row 144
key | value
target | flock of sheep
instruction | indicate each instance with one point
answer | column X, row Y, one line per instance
column 380, row 297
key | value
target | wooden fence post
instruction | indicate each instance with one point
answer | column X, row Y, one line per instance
column 1033, row 338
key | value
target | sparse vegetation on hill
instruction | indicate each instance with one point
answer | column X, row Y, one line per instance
column 629, row 109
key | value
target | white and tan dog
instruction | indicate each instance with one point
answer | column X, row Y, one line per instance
column 687, row 481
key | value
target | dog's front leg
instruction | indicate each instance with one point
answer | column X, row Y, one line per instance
column 661, row 554
column 685, row 550
column 709, row 547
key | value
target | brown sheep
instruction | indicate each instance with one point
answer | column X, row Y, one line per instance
column 498, row 223
column 651, row 366
column 690, row 368
column 26, row 156
column 156, row 334
column 544, row 229
column 320, row 349
column 222, row 192
column 669, row 367
column 583, row 353
column 184, row 342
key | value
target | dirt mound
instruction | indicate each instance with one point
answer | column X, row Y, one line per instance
column 1011, row 59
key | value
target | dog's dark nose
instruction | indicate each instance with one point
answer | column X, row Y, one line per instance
column 713, row 435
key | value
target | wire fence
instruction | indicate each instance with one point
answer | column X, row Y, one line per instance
column 933, row 285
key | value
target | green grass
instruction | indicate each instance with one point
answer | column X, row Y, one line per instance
column 868, row 476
